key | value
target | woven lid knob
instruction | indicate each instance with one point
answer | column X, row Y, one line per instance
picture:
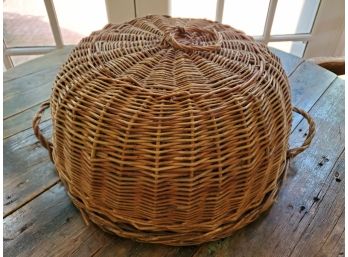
column 193, row 39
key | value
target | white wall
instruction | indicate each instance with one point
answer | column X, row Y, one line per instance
column 328, row 32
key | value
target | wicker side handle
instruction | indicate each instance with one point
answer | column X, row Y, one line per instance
column 36, row 122
column 311, row 132
column 188, row 39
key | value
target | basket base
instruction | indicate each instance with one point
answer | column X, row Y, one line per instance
column 174, row 238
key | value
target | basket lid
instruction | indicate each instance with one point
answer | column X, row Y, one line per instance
column 164, row 57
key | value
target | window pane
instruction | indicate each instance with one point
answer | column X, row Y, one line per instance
column 246, row 15
column 293, row 17
column 193, row 9
column 293, row 47
column 79, row 18
column 26, row 23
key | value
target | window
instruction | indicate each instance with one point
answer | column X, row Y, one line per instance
column 35, row 27
column 183, row 9
column 284, row 24
column 238, row 14
column 75, row 25
column 281, row 24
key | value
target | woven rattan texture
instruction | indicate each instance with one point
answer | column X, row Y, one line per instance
column 172, row 131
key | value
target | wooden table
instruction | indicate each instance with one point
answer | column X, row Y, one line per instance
column 307, row 220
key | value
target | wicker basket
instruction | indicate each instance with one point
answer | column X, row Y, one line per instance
column 171, row 131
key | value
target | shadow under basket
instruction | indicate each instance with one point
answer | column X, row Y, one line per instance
column 171, row 131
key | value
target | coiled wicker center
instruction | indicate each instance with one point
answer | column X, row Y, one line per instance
column 193, row 38
column 172, row 131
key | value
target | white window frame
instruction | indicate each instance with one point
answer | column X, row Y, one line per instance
column 122, row 10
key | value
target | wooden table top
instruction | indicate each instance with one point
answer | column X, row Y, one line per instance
column 307, row 219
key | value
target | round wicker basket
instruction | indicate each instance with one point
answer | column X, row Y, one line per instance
column 171, row 131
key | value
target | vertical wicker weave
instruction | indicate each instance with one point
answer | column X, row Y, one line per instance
column 171, row 131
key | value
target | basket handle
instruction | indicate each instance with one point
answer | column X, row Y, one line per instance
column 36, row 122
column 311, row 132
column 188, row 35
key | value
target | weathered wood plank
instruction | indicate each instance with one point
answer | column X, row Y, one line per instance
column 22, row 121
column 308, row 83
column 27, row 169
column 50, row 226
column 145, row 250
column 279, row 232
column 116, row 247
column 325, row 231
column 30, row 82
column 34, row 90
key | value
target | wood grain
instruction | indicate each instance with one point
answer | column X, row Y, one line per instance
column 49, row 226
column 27, row 169
column 308, row 83
column 26, row 92
column 22, row 121
column 325, row 231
